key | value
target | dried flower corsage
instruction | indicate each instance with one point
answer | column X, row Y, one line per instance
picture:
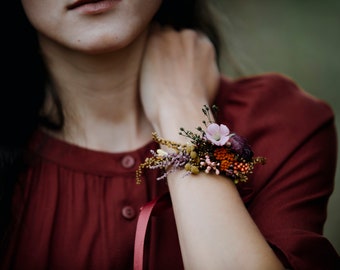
column 211, row 150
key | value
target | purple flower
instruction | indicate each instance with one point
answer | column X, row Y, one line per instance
column 218, row 134
column 240, row 146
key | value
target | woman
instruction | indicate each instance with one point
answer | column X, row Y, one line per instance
column 100, row 77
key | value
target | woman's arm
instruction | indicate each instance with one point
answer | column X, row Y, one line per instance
column 179, row 75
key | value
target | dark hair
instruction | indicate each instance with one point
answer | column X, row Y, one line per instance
column 25, row 79
column 21, row 98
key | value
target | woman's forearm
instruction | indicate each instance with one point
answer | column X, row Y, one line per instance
column 215, row 229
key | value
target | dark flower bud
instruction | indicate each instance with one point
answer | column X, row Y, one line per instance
column 240, row 146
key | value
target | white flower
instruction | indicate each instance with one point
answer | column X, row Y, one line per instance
column 218, row 134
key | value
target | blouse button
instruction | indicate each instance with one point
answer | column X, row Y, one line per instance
column 128, row 212
column 128, row 162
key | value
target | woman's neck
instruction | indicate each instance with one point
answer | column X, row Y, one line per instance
column 100, row 98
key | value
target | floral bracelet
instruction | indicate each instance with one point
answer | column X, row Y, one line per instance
column 210, row 150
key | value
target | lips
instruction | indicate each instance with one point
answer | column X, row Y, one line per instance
column 81, row 2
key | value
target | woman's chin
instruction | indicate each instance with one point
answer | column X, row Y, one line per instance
column 107, row 43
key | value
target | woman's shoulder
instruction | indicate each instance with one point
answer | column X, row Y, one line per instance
column 274, row 88
column 277, row 117
column 272, row 97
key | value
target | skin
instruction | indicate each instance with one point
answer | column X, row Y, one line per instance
column 117, row 75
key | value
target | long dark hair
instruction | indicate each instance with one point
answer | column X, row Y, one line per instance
column 25, row 79
column 21, row 97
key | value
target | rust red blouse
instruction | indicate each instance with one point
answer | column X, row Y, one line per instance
column 78, row 208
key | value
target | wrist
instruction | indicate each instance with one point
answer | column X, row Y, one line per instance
column 170, row 121
column 211, row 149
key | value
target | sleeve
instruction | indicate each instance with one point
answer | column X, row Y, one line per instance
column 289, row 202
column 287, row 197
column 295, row 204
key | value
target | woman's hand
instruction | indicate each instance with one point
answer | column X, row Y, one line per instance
column 179, row 75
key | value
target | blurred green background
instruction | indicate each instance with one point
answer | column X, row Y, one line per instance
column 298, row 38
